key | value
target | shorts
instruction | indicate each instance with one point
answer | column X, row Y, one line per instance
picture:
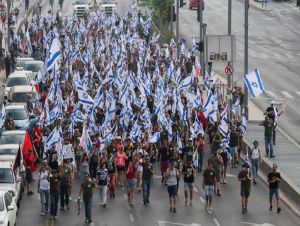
column 209, row 190
column 172, row 190
column 188, row 186
column 274, row 191
column 29, row 177
column 139, row 173
column 164, row 166
column 245, row 192
column 233, row 151
column 131, row 183
column 120, row 168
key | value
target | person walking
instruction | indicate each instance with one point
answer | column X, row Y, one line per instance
column 245, row 178
column 189, row 176
column 120, row 163
column 130, row 182
column 65, row 175
column 146, row 179
column 208, row 184
column 264, row 3
column 233, row 144
column 217, row 162
column 84, row 167
column 54, row 193
column 172, row 176
column 86, row 190
column 200, row 149
column 94, row 162
column 255, row 156
column 268, row 124
column 26, row 5
column 103, row 181
column 112, row 170
column 43, row 187
column 274, row 180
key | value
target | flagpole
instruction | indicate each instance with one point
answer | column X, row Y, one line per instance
column 246, row 58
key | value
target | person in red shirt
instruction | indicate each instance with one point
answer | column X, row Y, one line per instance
column 130, row 182
column 120, row 163
column 200, row 150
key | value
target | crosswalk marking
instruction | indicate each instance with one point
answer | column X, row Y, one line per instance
column 287, row 94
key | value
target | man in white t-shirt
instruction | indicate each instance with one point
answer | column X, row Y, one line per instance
column 44, row 186
column 255, row 157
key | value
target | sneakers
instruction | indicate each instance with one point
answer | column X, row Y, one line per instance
column 278, row 210
column 191, row 203
column 30, row 193
column 266, row 156
column 104, row 205
column 42, row 214
column 272, row 156
column 186, row 202
column 270, row 209
column 243, row 210
column 174, row 210
column 55, row 217
column 171, row 209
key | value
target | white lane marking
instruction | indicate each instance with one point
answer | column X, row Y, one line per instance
column 254, row 224
column 298, row 93
column 271, row 94
column 230, row 175
column 195, row 189
column 287, row 94
column 216, row 222
column 157, row 177
column 202, row 200
column 131, row 217
column 163, row 223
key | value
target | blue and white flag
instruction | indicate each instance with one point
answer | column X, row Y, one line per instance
column 224, row 124
column 53, row 138
column 244, row 124
column 235, row 106
column 53, row 53
column 2, row 116
column 84, row 98
column 254, row 83
column 154, row 138
column 186, row 83
column 194, row 46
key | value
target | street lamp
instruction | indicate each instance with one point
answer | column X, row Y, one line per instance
column 246, row 58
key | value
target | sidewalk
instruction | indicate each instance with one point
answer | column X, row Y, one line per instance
column 286, row 151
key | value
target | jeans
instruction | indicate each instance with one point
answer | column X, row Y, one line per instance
column 88, row 208
column 200, row 160
column 146, row 189
column 269, row 145
column 54, row 197
column 103, row 194
column 44, row 197
column 255, row 164
column 93, row 169
column 64, row 195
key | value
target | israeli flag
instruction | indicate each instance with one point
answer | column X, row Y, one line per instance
column 224, row 124
column 244, row 124
column 186, row 83
column 194, row 46
column 85, row 99
column 235, row 106
column 254, row 83
column 53, row 53
column 53, row 138
column 2, row 116
column 154, row 138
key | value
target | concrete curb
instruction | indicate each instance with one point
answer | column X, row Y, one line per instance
column 289, row 192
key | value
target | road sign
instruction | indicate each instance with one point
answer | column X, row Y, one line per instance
column 229, row 70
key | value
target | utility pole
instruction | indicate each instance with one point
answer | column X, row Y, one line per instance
column 177, row 20
column 229, row 77
column 172, row 19
column 8, row 23
column 201, row 36
column 246, row 57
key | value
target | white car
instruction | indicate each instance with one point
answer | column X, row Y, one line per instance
column 82, row 7
column 8, row 152
column 18, row 78
column 19, row 115
column 12, row 137
column 9, row 181
column 108, row 6
column 21, row 62
column 19, row 94
column 8, row 209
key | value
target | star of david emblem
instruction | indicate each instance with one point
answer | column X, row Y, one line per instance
column 85, row 95
column 254, row 84
column 52, row 113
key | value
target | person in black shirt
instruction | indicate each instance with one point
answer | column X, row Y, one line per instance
column 245, row 178
column 273, row 180
column 189, row 172
column 164, row 159
column 188, row 151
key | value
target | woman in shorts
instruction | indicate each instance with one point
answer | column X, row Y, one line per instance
column 130, row 182
column 120, row 163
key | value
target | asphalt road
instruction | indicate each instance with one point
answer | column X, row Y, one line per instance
column 274, row 48
column 227, row 210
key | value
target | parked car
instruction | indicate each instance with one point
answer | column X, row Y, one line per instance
column 19, row 94
column 194, row 4
column 8, row 209
column 9, row 181
column 16, row 79
column 20, row 62
column 19, row 114
column 12, row 137
column 82, row 7
column 34, row 65
column 8, row 152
